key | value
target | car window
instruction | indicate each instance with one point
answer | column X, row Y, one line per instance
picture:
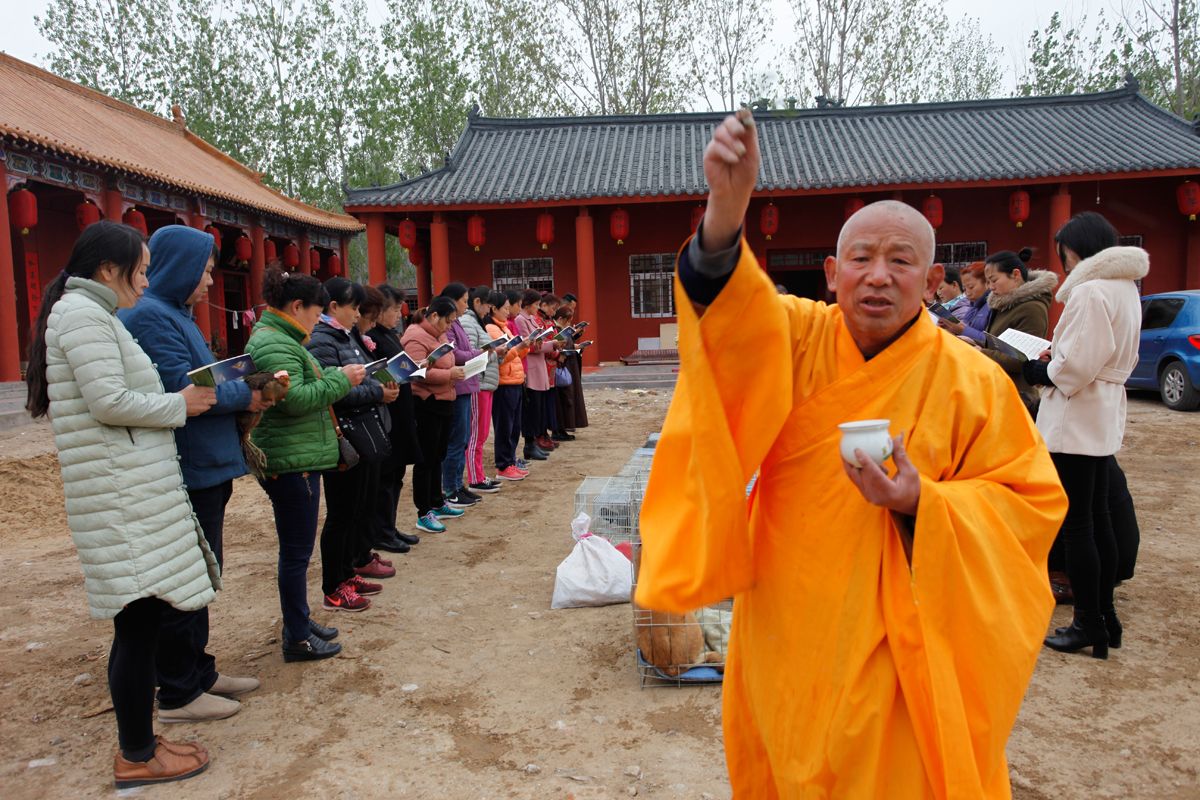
column 1161, row 312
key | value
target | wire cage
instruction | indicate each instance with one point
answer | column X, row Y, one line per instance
column 611, row 504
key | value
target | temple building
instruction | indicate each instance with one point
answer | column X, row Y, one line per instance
column 70, row 156
column 599, row 206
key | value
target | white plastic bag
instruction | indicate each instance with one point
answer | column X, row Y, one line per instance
column 594, row 574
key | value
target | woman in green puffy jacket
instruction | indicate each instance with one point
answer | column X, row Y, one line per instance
column 298, row 438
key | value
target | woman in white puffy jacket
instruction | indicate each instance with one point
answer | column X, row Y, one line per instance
column 1082, row 412
column 139, row 542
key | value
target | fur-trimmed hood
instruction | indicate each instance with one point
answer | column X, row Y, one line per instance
column 1115, row 263
column 1040, row 282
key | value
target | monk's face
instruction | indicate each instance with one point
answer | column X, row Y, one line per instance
column 882, row 273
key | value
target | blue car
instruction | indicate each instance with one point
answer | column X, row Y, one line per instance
column 1169, row 350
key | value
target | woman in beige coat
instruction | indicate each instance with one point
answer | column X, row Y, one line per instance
column 1082, row 413
column 129, row 513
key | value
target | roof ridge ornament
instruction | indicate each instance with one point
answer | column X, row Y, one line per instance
column 1132, row 83
column 829, row 102
column 474, row 112
column 447, row 161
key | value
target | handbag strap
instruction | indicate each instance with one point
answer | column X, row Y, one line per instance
column 336, row 426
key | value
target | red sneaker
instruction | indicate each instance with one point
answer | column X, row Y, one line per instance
column 345, row 599
column 364, row 587
column 375, row 568
column 510, row 474
column 383, row 561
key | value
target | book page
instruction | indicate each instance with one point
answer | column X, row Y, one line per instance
column 1031, row 346
column 476, row 365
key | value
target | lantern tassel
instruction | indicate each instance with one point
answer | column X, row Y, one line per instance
column 1018, row 224
column 1191, row 218
column 768, row 237
column 476, row 248
column 544, row 247
column 620, row 241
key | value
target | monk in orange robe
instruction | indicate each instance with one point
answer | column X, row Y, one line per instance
column 885, row 626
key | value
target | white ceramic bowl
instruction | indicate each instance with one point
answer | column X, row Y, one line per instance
column 869, row 435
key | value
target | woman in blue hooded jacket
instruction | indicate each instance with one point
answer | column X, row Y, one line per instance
column 210, row 454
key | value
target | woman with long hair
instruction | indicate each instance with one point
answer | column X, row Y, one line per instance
column 1020, row 300
column 433, row 409
column 538, row 391
column 1082, row 413
column 141, row 548
column 299, row 441
column 456, row 492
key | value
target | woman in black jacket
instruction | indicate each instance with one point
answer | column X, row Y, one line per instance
column 384, row 328
column 348, row 533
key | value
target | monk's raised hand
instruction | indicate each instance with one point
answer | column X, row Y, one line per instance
column 731, row 168
column 900, row 493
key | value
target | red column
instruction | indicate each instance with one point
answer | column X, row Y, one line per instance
column 1192, row 272
column 424, row 290
column 305, row 254
column 376, row 248
column 344, row 255
column 585, row 281
column 1060, row 212
column 205, row 314
column 439, row 252
column 10, row 343
column 258, row 263
column 113, row 204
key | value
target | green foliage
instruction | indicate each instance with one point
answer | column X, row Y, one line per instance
column 1064, row 59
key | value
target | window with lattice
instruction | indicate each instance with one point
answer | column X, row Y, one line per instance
column 523, row 273
column 959, row 254
column 651, row 284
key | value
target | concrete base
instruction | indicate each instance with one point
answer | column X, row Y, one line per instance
column 656, row 377
column 12, row 406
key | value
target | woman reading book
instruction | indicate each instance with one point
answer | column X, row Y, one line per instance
column 1020, row 300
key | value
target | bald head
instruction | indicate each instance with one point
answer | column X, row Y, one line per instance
column 886, row 211
column 882, row 273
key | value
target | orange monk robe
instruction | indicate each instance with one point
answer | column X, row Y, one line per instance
column 848, row 674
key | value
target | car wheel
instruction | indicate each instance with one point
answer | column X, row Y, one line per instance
column 1176, row 387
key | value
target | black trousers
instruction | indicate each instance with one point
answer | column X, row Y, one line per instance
column 391, row 480
column 1089, row 546
column 535, row 416
column 348, row 533
column 433, row 418
column 507, row 405
column 131, row 673
column 185, row 670
column 1124, row 525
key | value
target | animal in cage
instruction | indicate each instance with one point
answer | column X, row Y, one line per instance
column 611, row 504
column 672, row 643
column 274, row 386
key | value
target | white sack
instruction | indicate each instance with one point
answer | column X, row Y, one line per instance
column 594, row 574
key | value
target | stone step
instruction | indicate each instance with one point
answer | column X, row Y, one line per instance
column 13, row 413
column 12, row 390
column 627, row 383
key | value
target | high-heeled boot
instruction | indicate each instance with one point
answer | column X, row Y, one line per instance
column 1086, row 630
column 1111, row 623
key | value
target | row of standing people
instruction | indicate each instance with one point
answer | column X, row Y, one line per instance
column 149, row 460
column 1075, row 391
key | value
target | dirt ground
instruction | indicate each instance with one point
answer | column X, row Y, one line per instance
column 462, row 683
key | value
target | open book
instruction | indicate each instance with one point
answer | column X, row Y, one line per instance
column 495, row 344
column 565, row 334
column 475, row 366
column 514, row 342
column 438, row 352
column 397, row 369
column 231, row 369
column 540, row 335
column 1019, row 345
column 939, row 311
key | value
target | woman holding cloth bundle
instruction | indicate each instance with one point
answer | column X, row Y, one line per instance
column 140, row 544
column 1082, row 413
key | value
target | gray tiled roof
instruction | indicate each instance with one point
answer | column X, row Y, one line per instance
column 566, row 158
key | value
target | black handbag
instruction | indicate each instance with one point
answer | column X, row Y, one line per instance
column 366, row 433
column 347, row 455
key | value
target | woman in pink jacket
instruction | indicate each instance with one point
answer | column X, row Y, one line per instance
column 1082, row 412
column 433, row 409
column 538, row 392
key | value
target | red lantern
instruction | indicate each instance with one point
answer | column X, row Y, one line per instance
column 242, row 248
column 545, row 229
column 22, row 210
column 268, row 251
column 86, row 214
column 476, row 231
column 216, row 234
column 136, row 220
column 335, row 265
column 1188, row 195
column 291, row 256
column 697, row 215
column 770, row 220
column 408, row 234
column 404, row 309
column 932, row 209
column 416, row 256
column 1018, row 207
column 618, row 225
column 314, row 262
column 853, row 206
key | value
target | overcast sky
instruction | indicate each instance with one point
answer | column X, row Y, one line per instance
column 1010, row 22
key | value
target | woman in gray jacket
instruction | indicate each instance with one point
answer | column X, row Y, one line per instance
column 139, row 542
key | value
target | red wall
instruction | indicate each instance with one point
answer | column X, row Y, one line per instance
column 1143, row 207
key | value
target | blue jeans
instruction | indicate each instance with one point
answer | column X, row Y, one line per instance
column 456, row 451
column 296, row 497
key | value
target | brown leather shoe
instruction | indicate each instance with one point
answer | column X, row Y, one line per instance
column 545, row 443
column 171, row 762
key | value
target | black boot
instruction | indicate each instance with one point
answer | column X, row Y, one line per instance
column 321, row 632
column 393, row 544
column 408, row 538
column 313, row 649
column 1086, row 630
column 533, row 452
column 1111, row 623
